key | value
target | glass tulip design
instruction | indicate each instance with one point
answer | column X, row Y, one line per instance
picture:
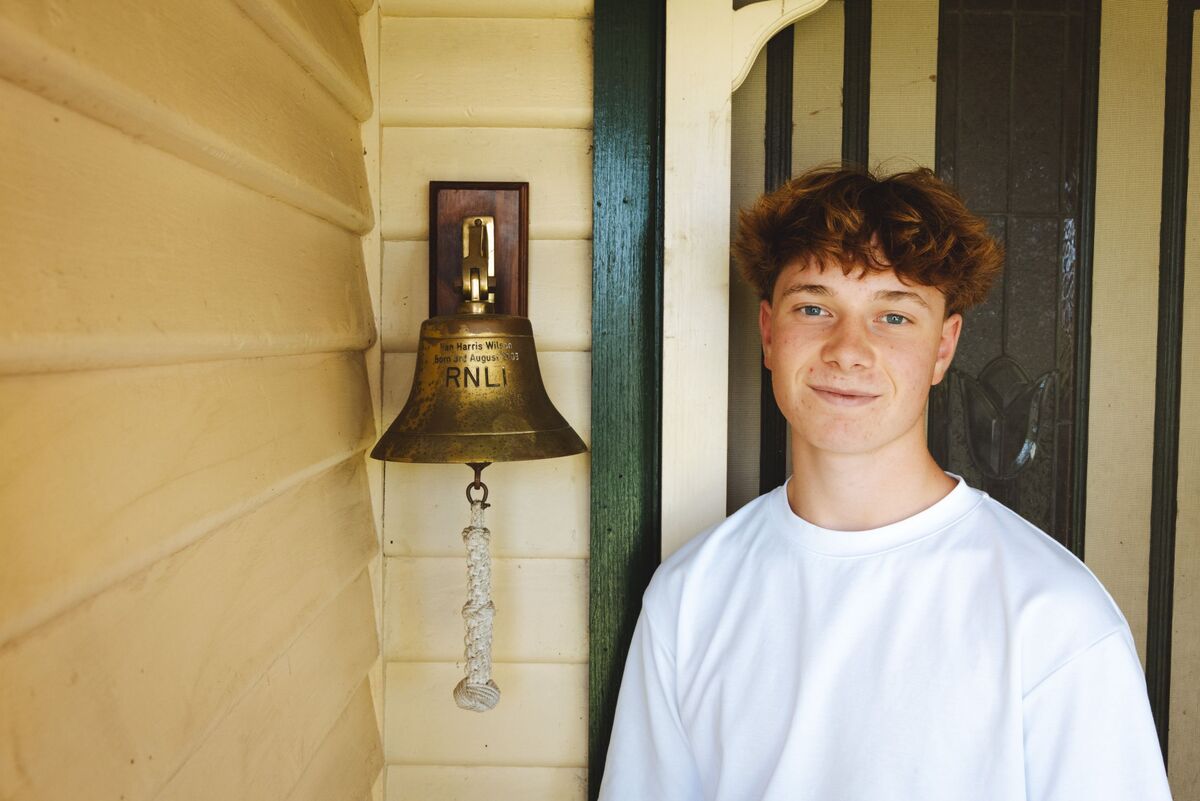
column 1003, row 413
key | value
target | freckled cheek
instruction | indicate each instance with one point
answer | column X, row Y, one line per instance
column 916, row 378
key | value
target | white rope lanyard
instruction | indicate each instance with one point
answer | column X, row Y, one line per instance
column 477, row 692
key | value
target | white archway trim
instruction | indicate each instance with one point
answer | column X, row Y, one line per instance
column 708, row 47
column 755, row 24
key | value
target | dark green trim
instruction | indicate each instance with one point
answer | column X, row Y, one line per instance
column 1083, row 272
column 772, row 436
column 1177, row 111
column 626, row 343
column 856, row 83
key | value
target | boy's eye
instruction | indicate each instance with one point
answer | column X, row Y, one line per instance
column 895, row 319
column 809, row 310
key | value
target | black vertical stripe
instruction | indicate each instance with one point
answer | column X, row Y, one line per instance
column 1163, row 507
column 772, row 453
column 1083, row 309
column 856, row 83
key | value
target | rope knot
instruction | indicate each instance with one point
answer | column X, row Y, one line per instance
column 477, row 692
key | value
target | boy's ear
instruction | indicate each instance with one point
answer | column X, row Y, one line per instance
column 951, row 330
column 764, row 330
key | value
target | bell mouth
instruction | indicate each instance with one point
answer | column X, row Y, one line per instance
column 514, row 446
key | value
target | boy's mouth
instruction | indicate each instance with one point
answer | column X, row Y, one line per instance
column 841, row 396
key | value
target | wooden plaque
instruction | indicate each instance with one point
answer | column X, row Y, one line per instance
column 450, row 202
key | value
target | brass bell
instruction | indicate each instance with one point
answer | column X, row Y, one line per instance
column 477, row 395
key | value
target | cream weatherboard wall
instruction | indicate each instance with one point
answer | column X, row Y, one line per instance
column 186, row 603
column 486, row 91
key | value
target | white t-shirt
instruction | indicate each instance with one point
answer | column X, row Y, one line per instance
column 960, row 654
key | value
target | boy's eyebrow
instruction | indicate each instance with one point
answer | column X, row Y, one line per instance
column 900, row 294
column 810, row 289
column 883, row 294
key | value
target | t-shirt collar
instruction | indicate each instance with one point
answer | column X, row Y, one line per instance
column 957, row 503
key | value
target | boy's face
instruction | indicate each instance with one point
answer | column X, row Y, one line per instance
column 852, row 357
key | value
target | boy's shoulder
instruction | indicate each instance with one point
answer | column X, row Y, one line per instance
column 1043, row 569
column 1061, row 608
column 724, row 548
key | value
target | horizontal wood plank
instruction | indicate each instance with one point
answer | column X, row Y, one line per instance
column 558, row 9
column 541, row 609
column 115, row 253
column 265, row 743
column 322, row 37
column 541, row 719
column 560, row 294
column 202, row 81
column 105, row 472
column 128, row 683
column 350, row 759
column 405, row 291
column 557, row 163
column 425, row 503
column 468, row 783
column 479, row 72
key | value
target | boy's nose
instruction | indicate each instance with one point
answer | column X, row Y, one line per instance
column 848, row 347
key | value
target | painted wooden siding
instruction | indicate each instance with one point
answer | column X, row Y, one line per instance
column 186, row 608
column 500, row 92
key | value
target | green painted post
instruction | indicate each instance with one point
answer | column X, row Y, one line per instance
column 626, row 343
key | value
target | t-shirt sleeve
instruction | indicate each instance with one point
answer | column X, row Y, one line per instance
column 648, row 756
column 1089, row 733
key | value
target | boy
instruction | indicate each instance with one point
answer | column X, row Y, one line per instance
column 875, row 629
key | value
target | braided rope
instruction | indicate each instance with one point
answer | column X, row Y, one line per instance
column 477, row 692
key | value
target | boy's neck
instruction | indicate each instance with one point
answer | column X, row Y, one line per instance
column 857, row 492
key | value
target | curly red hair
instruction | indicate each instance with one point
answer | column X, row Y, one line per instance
column 910, row 222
